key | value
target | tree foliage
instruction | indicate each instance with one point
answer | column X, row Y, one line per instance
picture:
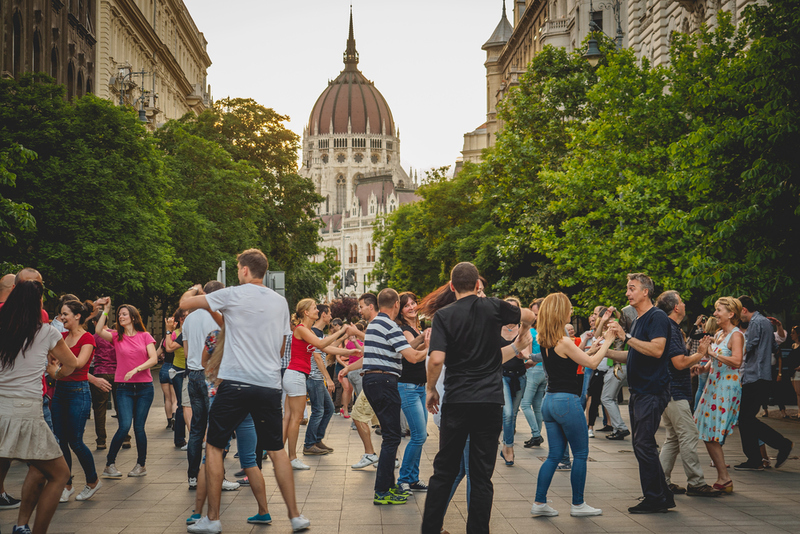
column 14, row 216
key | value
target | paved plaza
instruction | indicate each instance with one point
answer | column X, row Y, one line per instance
column 339, row 499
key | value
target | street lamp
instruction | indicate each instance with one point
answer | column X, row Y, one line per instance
column 593, row 53
column 344, row 270
column 124, row 77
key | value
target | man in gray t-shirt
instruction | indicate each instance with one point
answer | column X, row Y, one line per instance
column 756, row 380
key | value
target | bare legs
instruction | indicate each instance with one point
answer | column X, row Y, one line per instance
column 257, row 486
column 718, row 457
column 41, row 490
column 170, row 403
column 365, row 434
column 291, row 423
column 347, row 394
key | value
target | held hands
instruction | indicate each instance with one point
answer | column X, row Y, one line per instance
column 432, row 403
column 105, row 302
column 704, row 344
column 524, row 339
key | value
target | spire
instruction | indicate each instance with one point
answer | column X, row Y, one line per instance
column 351, row 54
column 502, row 33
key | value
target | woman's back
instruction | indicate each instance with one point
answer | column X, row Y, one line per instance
column 562, row 373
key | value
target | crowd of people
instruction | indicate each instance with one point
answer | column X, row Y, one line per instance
column 236, row 365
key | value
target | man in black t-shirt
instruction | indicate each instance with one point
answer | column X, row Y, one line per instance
column 648, row 381
column 466, row 336
column 682, row 434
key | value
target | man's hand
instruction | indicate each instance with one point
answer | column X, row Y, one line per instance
column 331, row 387
column 433, row 401
column 100, row 383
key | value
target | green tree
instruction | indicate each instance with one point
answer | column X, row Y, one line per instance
column 97, row 191
column 14, row 216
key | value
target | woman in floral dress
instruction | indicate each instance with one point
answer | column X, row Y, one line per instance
column 718, row 410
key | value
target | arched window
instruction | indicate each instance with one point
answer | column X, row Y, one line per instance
column 89, row 87
column 70, row 81
column 355, row 254
column 341, row 194
column 328, row 205
column 350, row 257
column 369, row 252
column 80, row 84
column 16, row 43
column 37, row 52
column 54, row 63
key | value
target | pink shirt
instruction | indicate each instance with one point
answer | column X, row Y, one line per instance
column 132, row 351
column 357, row 356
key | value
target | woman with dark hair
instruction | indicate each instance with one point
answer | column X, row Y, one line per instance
column 166, row 358
column 562, row 410
column 72, row 399
column 136, row 354
column 25, row 346
column 177, row 376
column 514, row 381
column 411, row 386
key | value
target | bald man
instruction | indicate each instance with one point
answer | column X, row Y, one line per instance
column 6, row 285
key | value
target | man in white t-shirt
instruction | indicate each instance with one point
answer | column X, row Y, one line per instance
column 256, row 323
column 196, row 328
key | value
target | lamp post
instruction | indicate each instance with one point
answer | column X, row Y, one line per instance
column 124, row 76
column 344, row 269
column 593, row 53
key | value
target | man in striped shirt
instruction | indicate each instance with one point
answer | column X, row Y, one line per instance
column 385, row 346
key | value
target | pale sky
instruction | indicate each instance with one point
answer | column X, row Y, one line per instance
column 424, row 56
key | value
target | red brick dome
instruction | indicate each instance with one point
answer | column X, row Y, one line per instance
column 351, row 99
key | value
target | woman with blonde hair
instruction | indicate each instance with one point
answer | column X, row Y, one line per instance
column 718, row 410
column 304, row 341
column 562, row 411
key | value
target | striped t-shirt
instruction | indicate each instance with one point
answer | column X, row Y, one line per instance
column 383, row 342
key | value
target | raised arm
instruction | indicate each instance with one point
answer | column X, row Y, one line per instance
column 194, row 299
column 311, row 338
column 100, row 328
column 682, row 361
column 566, row 348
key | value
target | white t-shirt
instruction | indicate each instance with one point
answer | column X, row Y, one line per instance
column 196, row 328
column 24, row 380
column 256, row 321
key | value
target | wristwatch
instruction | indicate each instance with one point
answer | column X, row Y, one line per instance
column 628, row 337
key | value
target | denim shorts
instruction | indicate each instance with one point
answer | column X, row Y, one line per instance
column 294, row 383
column 163, row 374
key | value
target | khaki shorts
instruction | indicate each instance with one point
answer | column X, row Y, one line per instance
column 185, row 400
column 362, row 411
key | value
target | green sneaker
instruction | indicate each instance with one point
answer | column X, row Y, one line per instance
column 389, row 498
column 400, row 491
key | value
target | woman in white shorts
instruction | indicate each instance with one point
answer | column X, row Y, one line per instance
column 304, row 341
column 25, row 344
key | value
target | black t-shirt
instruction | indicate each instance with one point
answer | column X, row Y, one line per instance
column 562, row 373
column 680, row 386
column 647, row 374
column 413, row 373
column 515, row 366
column 468, row 332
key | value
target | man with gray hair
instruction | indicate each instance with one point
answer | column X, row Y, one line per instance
column 682, row 434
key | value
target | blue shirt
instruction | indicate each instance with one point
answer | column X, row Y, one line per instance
column 757, row 363
column 383, row 342
column 648, row 375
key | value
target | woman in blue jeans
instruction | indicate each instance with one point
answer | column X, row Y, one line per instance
column 563, row 414
column 72, row 399
column 411, row 387
column 513, row 388
column 135, row 349
column 535, row 385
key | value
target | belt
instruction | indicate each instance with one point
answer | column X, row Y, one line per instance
column 376, row 371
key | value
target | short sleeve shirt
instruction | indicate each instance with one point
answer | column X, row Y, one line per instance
column 24, row 379
column 648, row 375
column 82, row 374
column 680, row 387
column 315, row 373
column 257, row 322
column 383, row 342
column 196, row 328
column 468, row 332
column 131, row 352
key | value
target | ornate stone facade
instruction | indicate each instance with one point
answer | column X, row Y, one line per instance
column 645, row 25
column 51, row 36
column 159, row 38
column 351, row 152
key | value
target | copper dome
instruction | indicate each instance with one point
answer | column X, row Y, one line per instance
column 351, row 98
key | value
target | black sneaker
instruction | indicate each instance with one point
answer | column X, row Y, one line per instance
column 649, row 507
column 7, row 502
column 618, row 435
column 418, row 486
column 607, row 428
column 783, row 455
column 744, row 466
column 239, row 474
column 533, row 442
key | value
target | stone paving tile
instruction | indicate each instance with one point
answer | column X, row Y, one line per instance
column 338, row 499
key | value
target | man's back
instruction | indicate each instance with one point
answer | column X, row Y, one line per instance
column 256, row 321
column 757, row 364
column 468, row 331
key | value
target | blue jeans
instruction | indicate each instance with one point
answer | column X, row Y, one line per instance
column 198, row 396
column 412, row 402
column 510, row 409
column 321, row 411
column 72, row 403
column 535, row 386
column 133, row 405
column 565, row 423
column 587, row 376
column 48, row 415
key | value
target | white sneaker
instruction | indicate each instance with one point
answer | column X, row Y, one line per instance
column 299, row 523
column 193, row 483
column 205, row 526
column 591, row 433
column 584, row 510
column 298, row 465
column 365, row 461
column 543, row 509
column 227, row 485
column 87, row 492
column 185, row 447
column 396, row 463
column 66, row 494
column 111, row 471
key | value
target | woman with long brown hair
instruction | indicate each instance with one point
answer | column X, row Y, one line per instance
column 136, row 354
column 563, row 413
